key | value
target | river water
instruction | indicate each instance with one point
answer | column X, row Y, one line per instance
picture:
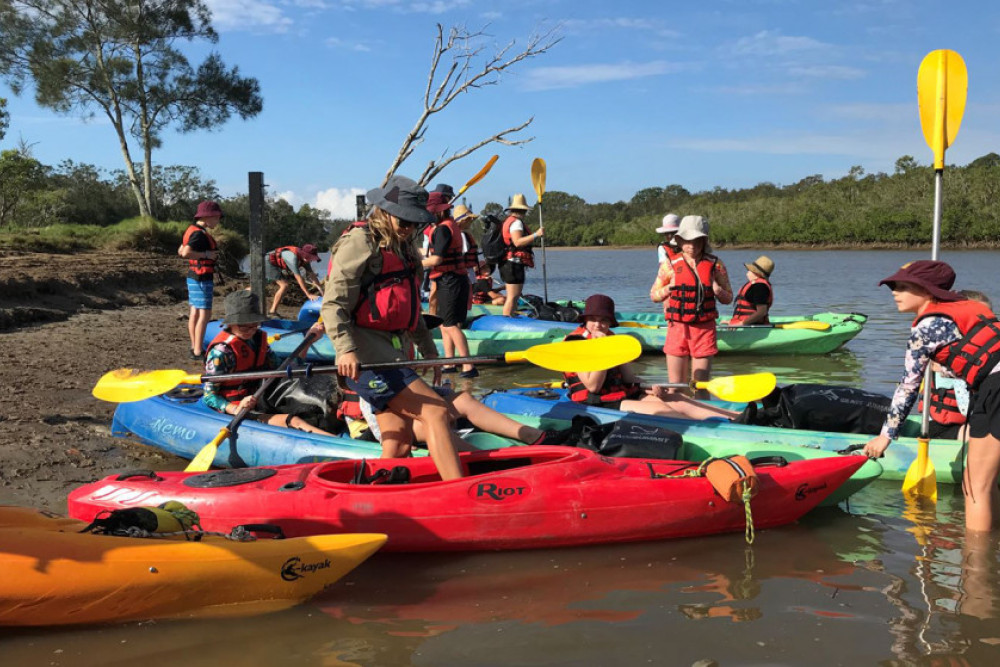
column 879, row 582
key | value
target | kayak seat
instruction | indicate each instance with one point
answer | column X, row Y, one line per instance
column 496, row 465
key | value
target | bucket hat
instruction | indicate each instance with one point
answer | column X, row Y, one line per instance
column 693, row 227
column 242, row 307
column 670, row 223
column 517, row 203
column 309, row 252
column 599, row 305
column 208, row 209
column 403, row 198
column 762, row 266
column 439, row 199
column 934, row 276
column 462, row 214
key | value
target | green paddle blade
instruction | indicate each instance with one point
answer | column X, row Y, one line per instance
column 920, row 479
column 580, row 356
column 740, row 388
column 126, row 385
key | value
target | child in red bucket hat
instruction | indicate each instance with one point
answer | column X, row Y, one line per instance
column 618, row 388
column 963, row 337
column 199, row 248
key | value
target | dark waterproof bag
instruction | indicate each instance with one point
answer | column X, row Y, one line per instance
column 312, row 399
column 624, row 438
column 833, row 408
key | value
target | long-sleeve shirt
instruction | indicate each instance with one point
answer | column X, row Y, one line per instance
column 219, row 360
column 352, row 261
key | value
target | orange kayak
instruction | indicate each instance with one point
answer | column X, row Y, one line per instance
column 55, row 575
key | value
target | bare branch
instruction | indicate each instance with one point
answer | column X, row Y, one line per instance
column 434, row 168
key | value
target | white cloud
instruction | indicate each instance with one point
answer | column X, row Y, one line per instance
column 247, row 15
column 886, row 113
column 773, row 43
column 290, row 197
column 573, row 76
column 654, row 26
column 827, row 72
column 407, row 6
column 337, row 43
column 759, row 89
column 340, row 202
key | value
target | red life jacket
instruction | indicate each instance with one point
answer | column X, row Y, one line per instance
column 614, row 388
column 692, row 299
column 453, row 259
column 978, row 352
column 479, row 295
column 670, row 251
column 744, row 309
column 944, row 405
column 472, row 254
column 200, row 267
column 359, row 224
column 350, row 405
column 275, row 256
column 514, row 254
column 389, row 301
column 246, row 360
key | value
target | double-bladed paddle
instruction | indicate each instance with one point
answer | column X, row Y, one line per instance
column 475, row 179
column 735, row 388
column 125, row 385
column 538, row 181
column 813, row 325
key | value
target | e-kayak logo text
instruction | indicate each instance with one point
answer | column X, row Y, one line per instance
column 499, row 490
column 805, row 490
column 294, row 568
column 168, row 428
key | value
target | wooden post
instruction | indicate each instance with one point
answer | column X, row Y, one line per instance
column 359, row 205
column 257, row 285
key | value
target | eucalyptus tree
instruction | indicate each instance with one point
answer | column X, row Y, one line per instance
column 4, row 117
column 120, row 58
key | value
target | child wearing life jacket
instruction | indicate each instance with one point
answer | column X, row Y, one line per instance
column 671, row 221
column 753, row 303
column 689, row 285
column 289, row 263
column 483, row 291
column 198, row 247
column 240, row 347
column 963, row 336
column 371, row 308
column 618, row 388
column 518, row 239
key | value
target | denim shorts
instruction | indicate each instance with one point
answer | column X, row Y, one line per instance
column 378, row 388
column 200, row 293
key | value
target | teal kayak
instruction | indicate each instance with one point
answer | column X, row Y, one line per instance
column 182, row 425
column 946, row 455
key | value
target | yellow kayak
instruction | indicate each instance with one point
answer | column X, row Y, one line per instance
column 54, row 575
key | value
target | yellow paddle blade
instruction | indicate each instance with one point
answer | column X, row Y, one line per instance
column 804, row 324
column 740, row 388
column 554, row 384
column 126, row 385
column 637, row 325
column 942, row 86
column 478, row 177
column 203, row 460
column 920, row 479
column 538, row 177
column 580, row 356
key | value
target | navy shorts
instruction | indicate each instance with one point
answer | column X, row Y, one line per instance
column 200, row 293
column 453, row 299
column 984, row 412
column 380, row 387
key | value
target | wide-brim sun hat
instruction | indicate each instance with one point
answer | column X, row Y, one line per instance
column 310, row 253
column 763, row 266
column 933, row 276
column 671, row 221
column 208, row 209
column 461, row 214
column 518, row 203
column 243, row 307
column 694, row 227
column 599, row 305
column 403, row 198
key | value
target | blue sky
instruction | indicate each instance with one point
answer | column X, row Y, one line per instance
column 637, row 94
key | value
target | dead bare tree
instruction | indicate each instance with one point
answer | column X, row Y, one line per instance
column 466, row 73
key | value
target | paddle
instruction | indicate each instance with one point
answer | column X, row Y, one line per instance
column 942, row 86
column 813, row 325
column 736, row 388
column 538, row 180
column 475, row 179
column 203, row 459
column 125, row 385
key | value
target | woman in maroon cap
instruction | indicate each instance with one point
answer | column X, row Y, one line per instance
column 963, row 337
column 198, row 247
column 618, row 388
column 289, row 263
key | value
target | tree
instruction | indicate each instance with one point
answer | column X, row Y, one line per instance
column 20, row 176
column 906, row 164
column 118, row 57
column 463, row 75
column 4, row 118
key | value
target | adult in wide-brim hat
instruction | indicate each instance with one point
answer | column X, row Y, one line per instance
column 403, row 198
column 243, row 307
column 763, row 266
column 932, row 276
column 518, row 203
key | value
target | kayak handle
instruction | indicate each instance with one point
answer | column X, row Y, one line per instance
column 139, row 473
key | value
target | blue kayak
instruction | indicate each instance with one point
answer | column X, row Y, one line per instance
column 946, row 455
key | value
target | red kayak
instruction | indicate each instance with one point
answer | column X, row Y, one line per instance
column 513, row 498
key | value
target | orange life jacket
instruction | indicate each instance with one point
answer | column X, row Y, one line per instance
column 614, row 388
column 944, row 405
column 453, row 259
column 744, row 309
column 389, row 301
column 200, row 267
column 973, row 357
column 669, row 250
column 246, row 360
column 692, row 299
column 275, row 256
column 514, row 254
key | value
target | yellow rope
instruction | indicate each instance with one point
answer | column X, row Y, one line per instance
column 746, row 503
